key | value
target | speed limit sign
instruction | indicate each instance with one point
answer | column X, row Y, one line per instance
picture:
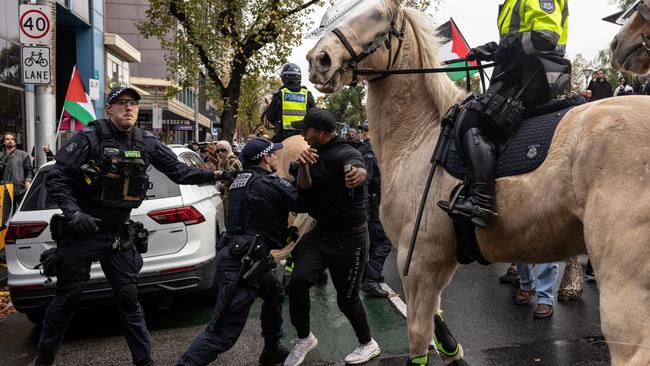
column 35, row 24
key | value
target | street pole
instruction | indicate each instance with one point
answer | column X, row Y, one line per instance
column 196, row 115
column 45, row 99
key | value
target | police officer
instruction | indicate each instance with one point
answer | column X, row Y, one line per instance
column 380, row 245
column 260, row 203
column 289, row 104
column 99, row 176
column 530, row 65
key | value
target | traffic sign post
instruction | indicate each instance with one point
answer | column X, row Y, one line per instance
column 35, row 62
column 35, row 24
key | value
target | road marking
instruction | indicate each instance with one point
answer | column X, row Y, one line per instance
column 395, row 299
column 401, row 306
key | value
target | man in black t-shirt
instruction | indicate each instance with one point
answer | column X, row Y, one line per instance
column 331, row 180
column 599, row 87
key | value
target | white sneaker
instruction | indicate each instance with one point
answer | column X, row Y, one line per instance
column 300, row 349
column 363, row 353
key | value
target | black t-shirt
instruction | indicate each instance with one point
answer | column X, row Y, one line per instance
column 329, row 201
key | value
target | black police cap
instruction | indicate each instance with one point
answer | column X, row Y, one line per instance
column 319, row 119
column 119, row 90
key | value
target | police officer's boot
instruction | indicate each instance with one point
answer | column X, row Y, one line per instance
column 481, row 161
column 273, row 353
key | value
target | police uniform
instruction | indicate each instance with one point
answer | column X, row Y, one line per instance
column 380, row 245
column 260, row 203
column 530, row 70
column 289, row 104
column 101, row 172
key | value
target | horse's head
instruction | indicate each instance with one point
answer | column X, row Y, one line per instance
column 631, row 46
column 368, row 28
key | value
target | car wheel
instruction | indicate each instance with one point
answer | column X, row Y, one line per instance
column 36, row 317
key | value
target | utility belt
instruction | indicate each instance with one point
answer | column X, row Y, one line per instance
column 255, row 255
column 129, row 234
column 504, row 111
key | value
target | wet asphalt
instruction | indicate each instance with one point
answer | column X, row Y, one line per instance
column 478, row 309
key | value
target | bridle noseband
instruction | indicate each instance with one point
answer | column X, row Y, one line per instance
column 382, row 38
column 643, row 8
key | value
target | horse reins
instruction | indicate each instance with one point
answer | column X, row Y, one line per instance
column 643, row 8
column 384, row 38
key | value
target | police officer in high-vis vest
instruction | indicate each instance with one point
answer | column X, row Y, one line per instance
column 260, row 202
column 99, row 177
column 530, row 70
column 289, row 104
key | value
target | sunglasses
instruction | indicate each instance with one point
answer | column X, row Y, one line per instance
column 126, row 102
column 221, row 150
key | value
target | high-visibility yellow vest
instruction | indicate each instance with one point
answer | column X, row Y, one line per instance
column 294, row 106
column 547, row 19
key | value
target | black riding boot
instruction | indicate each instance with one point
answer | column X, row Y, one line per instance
column 481, row 159
column 273, row 353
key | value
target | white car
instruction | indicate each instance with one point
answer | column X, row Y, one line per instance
column 184, row 224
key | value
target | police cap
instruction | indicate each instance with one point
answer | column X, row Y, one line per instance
column 258, row 147
column 119, row 90
column 364, row 125
column 319, row 119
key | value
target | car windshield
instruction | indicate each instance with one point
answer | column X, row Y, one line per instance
column 39, row 199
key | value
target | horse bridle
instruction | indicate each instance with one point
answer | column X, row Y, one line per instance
column 381, row 38
column 643, row 8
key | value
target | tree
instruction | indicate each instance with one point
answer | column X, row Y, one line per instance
column 225, row 40
column 251, row 101
column 348, row 105
column 623, row 4
column 578, row 81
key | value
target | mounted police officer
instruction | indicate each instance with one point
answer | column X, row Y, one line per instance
column 260, row 203
column 290, row 103
column 99, row 177
column 530, row 70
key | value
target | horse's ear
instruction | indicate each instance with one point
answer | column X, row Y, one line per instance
column 395, row 4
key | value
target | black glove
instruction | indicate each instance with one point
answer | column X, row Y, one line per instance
column 483, row 53
column 83, row 223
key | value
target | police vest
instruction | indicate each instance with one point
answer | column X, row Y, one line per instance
column 120, row 178
column 294, row 106
column 249, row 214
column 549, row 18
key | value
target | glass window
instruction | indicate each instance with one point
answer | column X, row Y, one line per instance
column 117, row 71
column 38, row 199
column 9, row 63
column 11, row 113
column 81, row 9
column 9, row 16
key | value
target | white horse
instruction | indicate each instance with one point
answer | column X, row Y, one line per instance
column 631, row 45
column 591, row 193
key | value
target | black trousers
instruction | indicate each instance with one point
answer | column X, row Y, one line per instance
column 215, row 340
column 121, row 269
column 344, row 254
column 379, row 249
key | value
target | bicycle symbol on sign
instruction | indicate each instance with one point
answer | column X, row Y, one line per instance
column 36, row 58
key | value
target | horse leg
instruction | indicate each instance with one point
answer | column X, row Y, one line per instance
column 617, row 240
column 423, row 286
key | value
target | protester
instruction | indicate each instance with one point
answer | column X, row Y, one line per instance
column 331, row 178
column 623, row 88
column 540, row 285
column 599, row 87
column 260, row 202
column 352, row 135
column 380, row 245
column 290, row 103
column 15, row 167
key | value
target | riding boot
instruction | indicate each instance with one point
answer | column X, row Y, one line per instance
column 481, row 160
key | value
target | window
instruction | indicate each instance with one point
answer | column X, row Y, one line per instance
column 9, row 63
column 117, row 71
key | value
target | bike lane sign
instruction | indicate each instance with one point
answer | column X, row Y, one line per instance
column 35, row 65
column 35, row 24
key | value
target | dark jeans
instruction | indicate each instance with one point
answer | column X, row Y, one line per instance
column 379, row 249
column 344, row 254
column 215, row 340
column 121, row 269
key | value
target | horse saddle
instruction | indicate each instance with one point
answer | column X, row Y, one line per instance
column 528, row 146
column 524, row 151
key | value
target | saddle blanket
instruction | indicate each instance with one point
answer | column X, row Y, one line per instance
column 524, row 152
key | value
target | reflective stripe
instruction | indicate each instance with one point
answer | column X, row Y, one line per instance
column 294, row 106
column 525, row 16
column 515, row 19
column 553, row 76
column 527, row 43
column 422, row 360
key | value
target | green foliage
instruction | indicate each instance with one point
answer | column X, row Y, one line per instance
column 604, row 61
column 623, row 4
column 256, row 93
column 578, row 65
column 348, row 105
column 475, row 83
column 225, row 40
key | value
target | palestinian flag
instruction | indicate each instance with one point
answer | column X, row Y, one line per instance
column 77, row 103
column 453, row 47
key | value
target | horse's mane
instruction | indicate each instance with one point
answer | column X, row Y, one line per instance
column 438, row 85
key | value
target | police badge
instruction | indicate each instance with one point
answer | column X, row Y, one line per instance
column 532, row 152
column 547, row 5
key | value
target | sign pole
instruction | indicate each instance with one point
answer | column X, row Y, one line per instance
column 45, row 97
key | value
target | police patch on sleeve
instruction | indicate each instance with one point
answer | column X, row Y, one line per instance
column 241, row 180
column 547, row 5
column 71, row 147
